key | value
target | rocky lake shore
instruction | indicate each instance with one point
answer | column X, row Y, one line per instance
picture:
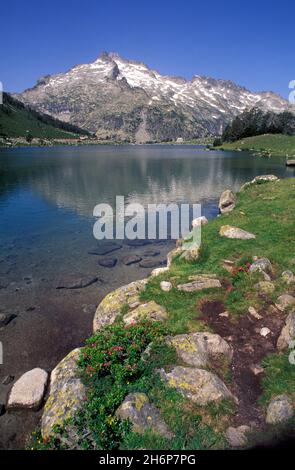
column 195, row 356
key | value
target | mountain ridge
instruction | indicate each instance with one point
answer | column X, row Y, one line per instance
column 122, row 99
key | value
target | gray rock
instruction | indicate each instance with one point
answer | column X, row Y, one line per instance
column 151, row 252
column 259, row 180
column 158, row 271
column 288, row 277
column 131, row 259
column 110, row 307
column 199, row 221
column 287, row 333
column 166, row 286
column 67, row 394
column 197, row 385
column 108, row 262
column 28, row 391
column 199, row 283
column 227, row 201
column 285, row 301
column 261, row 265
column 279, row 410
column 237, row 437
column 236, row 233
column 143, row 415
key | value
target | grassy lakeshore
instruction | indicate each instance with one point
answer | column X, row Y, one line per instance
column 269, row 144
column 268, row 211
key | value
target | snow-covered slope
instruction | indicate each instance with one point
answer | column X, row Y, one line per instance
column 123, row 99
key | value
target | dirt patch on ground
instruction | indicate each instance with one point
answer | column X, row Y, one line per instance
column 249, row 350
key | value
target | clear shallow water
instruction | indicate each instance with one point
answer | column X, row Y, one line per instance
column 47, row 198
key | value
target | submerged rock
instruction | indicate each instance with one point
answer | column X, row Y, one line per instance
column 110, row 307
column 131, row 259
column 279, row 410
column 6, row 318
column 143, row 415
column 198, row 385
column 287, row 333
column 196, row 349
column 76, row 282
column 227, row 201
column 236, row 233
column 150, row 311
column 108, row 262
column 105, row 249
column 200, row 282
column 67, row 394
column 150, row 263
column 28, row 391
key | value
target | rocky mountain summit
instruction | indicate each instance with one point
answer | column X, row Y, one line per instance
column 126, row 100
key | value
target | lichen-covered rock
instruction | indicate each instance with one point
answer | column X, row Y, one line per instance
column 259, row 180
column 28, row 391
column 66, row 395
column 279, row 410
column 287, row 333
column 143, row 415
column 110, row 307
column 265, row 287
column 236, row 233
column 285, row 301
column 237, row 437
column 288, row 277
column 196, row 349
column 150, row 311
column 199, row 386
column 227, row 201
column 200, row 282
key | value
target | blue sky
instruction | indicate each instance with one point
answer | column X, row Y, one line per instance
column 250, row 42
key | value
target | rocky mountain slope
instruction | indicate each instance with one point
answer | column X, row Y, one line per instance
column 123, row 99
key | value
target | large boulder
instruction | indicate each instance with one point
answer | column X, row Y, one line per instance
column 287, row 333
column 200, row 282
column 236, row 233
column 197, row 385
column 143, row 415
column 279, row 410
column 67, row 393
column 149, row 311
column 110, row 307
column 28, row 391
column 227, row 201
column 196, row 349
column 259, row 180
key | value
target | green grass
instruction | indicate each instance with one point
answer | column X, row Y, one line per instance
column 272, row 144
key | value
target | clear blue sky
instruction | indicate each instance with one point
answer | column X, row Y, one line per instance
column 250, row 42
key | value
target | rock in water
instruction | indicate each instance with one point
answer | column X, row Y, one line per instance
column 77, row 282
column 108, row 262
column 227, row 201
column 105, row 249
column 235, row 233
column 110, row 307
column 131, row 259
column 287, row 333
column 150, row 263
column 279, row 410
column 150, row 311
column 28, row 391
column 66, row 395
column 199, row 386
column 143, row 415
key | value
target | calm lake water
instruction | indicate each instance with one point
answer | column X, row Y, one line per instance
column 47, row 196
